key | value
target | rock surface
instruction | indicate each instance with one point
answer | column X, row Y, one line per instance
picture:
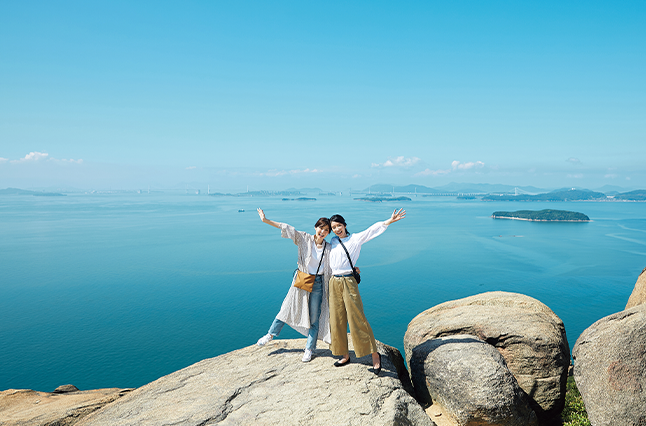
column 638, row 296
column 470, row 381
column 610, row 368
column 28, row 407
column 270, row 386
column 529, row 336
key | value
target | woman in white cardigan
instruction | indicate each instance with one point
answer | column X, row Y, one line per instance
column 308, row 313
column 345, row 301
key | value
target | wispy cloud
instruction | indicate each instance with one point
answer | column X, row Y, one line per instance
column 576, row 176
column 274, row 173
column 573, row 160
column 456, row 166
column 191, row 167
column 35, row 157
column 429, row 172
column 3, row 160
column 400, row 161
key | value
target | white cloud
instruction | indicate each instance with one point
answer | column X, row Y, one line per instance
column 32, row 156
column 467, row 166
column 3, row 160
column 611, row 176
column 400, row 161
column 191, row 167
column 573, row 160
column 576, row 176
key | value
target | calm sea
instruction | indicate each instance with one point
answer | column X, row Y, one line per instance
column 117, row 290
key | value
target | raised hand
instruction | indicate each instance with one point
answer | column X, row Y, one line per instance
column 261, row 214
column 396, row 216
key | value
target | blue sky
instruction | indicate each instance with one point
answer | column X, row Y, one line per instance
column 271, row 95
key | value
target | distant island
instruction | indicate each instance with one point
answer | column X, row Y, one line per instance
column 16, row 191
column 299, row 199
column 543, row 216
column 380, row 199
column 560, row 195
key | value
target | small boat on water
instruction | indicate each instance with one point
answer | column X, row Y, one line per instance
column 241, row 211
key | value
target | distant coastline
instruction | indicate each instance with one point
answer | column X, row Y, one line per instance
column 380, row 199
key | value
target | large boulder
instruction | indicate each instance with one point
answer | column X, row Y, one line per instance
column 638, row 296
column 529, row 336
column 610, row 368
column 470, row 381
column 270, row 386
column 63, row 407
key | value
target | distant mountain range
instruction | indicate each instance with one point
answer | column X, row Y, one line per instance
column 464, row 188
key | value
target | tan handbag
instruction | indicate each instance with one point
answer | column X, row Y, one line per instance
column 305, row 281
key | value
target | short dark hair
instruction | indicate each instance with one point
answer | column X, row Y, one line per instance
column 324, row 221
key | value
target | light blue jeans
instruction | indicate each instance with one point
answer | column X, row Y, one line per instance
column 316, row 297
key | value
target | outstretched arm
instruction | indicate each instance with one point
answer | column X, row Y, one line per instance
column 267, row 221
column 396, row 216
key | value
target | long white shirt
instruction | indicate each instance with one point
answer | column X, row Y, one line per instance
column 295, row 310
column 339, row 260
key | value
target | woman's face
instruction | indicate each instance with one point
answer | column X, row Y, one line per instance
column 339, row 229
column 322, row 232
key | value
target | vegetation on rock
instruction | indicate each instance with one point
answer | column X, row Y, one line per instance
column 574, row 413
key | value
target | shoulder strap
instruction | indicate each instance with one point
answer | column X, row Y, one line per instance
column 346, row 252
column 322, row 255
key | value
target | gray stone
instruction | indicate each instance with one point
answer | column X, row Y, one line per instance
column 66, row 389
column 470, row 381
column 610, row 368
column 529, row 336
column 29, row 407
column 270, row 386
column 638, row 296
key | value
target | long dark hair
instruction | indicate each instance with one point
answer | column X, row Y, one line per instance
column 339, row 219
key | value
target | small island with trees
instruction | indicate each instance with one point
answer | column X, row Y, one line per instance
column 543, row 216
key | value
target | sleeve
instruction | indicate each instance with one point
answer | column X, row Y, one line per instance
column 288, row 231
column 374, row 231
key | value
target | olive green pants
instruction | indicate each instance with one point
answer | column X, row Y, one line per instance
column 346, row 307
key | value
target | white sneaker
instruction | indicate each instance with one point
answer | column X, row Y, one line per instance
column 265, row 339
column 307, row 356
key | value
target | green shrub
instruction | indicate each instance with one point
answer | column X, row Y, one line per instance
column 574, row 413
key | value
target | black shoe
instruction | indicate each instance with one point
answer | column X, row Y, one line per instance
column 378, row 370
column 341, row 364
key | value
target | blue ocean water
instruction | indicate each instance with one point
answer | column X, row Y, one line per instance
column 117, row 290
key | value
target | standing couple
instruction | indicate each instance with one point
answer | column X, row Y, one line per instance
column 324, row 315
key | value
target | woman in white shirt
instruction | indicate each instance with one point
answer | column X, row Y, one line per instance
column 308, row 313
column 345, row 300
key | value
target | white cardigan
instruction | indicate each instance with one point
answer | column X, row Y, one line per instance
column 295, row 310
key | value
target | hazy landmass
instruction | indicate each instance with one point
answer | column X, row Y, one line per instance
column 380, row 199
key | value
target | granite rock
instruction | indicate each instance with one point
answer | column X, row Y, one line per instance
column 270, row 386
column 638, row 296
column 529, row 336
column 470, row 381
column 610, row 368
column 29, row 407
